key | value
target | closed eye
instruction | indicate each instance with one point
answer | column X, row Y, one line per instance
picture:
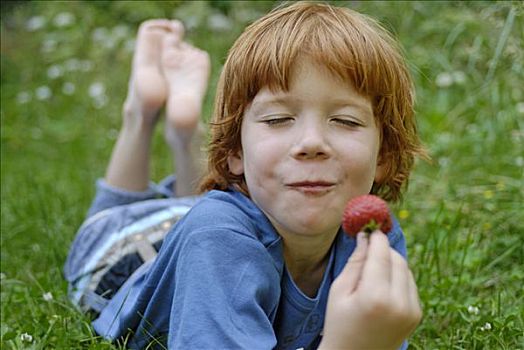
column 347, row 121
column 277, row 121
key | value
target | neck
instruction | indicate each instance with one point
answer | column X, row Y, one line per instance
column 306, row 261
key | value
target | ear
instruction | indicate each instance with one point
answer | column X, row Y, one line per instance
column 235, row 163
column 380, row 171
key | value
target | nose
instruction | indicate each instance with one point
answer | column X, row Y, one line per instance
column 311, row 141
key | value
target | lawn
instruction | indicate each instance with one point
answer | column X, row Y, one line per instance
column 64, row 70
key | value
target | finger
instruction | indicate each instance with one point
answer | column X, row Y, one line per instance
column 404, row 290
column 349, row 277
column 378, row 264
column 400, row 275
column 413, row 296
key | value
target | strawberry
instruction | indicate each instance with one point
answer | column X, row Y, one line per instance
column 366, row 213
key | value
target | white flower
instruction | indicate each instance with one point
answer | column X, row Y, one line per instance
column 473, row 310
column 23, row 97
column 120, row 32
column 86, row 66
column 486, row 327
column 43, row 93
column 2, row 276
column 53, row 319
column 47, row 296
column 473, row 129
column 26, row 338
column 109, row 43
column 129, row 45
column 444, row 138
column 72, row 64
column 35, row 23
column 100, row 101
column 245, row 14
column 519, row 161
column 49, row 45
column 459, row 77
column 55, row 71
column 63, row 19
column 444, row 162
column 219, row 22
column 192, row 22
column 100, row 34
column 97, row 89
column 520, row 107
column 444, row 80
column 68, row 88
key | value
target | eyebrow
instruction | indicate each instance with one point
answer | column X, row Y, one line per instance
column 283, row 99
column 272, row 100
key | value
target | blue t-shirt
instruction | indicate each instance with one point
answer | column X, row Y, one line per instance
column 220, row 282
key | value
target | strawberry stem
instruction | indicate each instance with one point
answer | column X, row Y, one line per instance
column 371, row 226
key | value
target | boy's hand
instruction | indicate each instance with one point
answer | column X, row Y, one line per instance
column 374, row 303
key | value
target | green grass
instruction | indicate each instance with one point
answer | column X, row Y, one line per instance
column 462, row 214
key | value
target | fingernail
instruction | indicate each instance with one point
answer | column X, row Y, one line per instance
column 376, row 233
column 361, row 237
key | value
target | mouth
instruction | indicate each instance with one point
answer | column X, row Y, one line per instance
column 312, row 187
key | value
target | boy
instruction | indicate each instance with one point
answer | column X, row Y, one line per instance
column 314, row 107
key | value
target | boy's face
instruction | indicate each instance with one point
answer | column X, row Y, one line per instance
column 307, row 151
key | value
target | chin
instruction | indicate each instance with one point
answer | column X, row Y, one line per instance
column 313, row 228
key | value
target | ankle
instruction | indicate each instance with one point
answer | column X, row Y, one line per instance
column 184, row 140
column 133, row 118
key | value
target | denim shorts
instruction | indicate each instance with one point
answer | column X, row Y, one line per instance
column 122, row 234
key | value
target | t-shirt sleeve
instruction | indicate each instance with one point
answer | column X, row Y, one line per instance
column 227, row 292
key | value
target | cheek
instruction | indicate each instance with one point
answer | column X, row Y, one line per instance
column 261, row 165
column 257, row 162
column 361, row 164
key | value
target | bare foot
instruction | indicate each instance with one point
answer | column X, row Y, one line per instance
column 186, row 70
column 147, row 90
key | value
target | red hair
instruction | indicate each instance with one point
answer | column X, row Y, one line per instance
column 352, row 46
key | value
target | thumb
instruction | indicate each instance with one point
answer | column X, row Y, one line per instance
column 350, row 275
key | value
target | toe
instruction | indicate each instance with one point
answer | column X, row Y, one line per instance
column 149, row 41
column 177, row 28
column 171, row 41
column 171, row 51
column 154, row 24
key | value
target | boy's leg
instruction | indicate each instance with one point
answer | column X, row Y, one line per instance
column 128, row 168
column 186, row 70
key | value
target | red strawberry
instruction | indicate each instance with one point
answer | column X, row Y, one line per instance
column 366, row 213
